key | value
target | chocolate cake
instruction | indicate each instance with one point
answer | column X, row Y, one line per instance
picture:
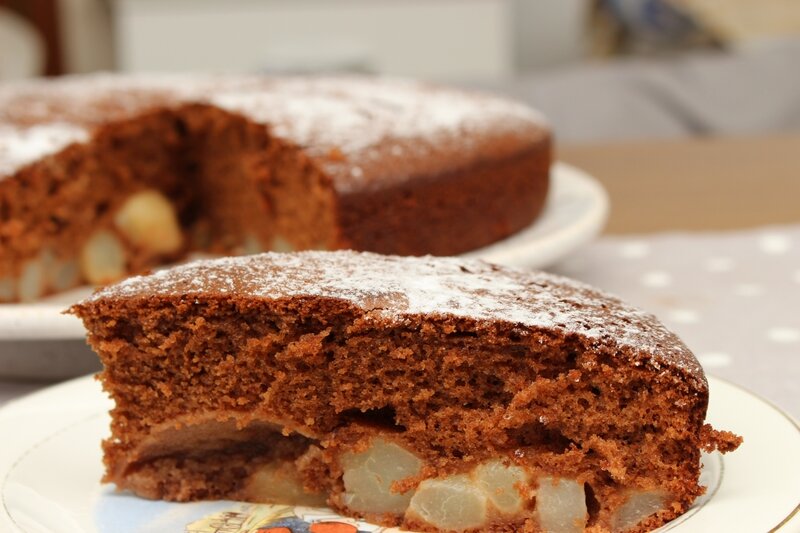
column 103, row 176
column 437, row 394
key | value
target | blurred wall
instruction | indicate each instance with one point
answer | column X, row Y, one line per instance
column 550, row 32
column 88, row 42
column 450, row 40
column 22, row 49
column 435, row 39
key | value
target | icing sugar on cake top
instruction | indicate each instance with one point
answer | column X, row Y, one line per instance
column 19, row 147
column 359, row 129
column 392, row 287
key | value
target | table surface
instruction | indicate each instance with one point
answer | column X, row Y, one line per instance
column 706, row 235
column 695, row 184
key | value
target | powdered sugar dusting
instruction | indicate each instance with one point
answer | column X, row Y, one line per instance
column 372, row 121
column 385, row 128
column 20, row 146
column 353, row 114
column 396, row 287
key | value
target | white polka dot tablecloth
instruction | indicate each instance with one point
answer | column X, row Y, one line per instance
column 733, row 297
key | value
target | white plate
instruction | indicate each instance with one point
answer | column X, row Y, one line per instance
column 576, row 211
column 50, row 464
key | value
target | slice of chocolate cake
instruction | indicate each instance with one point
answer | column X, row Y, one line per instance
column 433, row 393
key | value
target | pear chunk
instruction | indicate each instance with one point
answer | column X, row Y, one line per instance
column 7, row 289
column 280, row 244
column 640, row 505
column 251, row 245
column 31, row 282
column 369, row 475
column 148, row 220
column 561, row 505
column 64, row 274
column 452, row 504
column 280, row 483
column 103, row 258
column 501, row 484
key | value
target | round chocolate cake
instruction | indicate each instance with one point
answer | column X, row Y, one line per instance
column 103, row 176
column 437, row 394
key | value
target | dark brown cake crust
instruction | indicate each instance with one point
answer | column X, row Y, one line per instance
column 252, row 164
column 380, row 221
column 457, row 361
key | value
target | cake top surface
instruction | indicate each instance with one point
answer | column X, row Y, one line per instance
column 360, row 130
column 393, row 287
